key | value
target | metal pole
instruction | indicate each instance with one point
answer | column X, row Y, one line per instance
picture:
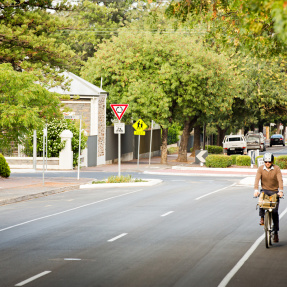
column 139, row 150
column 46, row 148
column 44, row 157
column 35, row 149
column 150, row 142
column 79, row 156
column 119, row 154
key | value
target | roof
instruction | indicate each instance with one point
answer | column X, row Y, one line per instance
column 79, row 86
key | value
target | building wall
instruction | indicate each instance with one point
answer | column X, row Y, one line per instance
column 81, row 108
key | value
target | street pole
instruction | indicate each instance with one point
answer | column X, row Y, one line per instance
column 79, row 156
column 139, row 150
column 44, row 139
column 46, row 148
column 35, row 150
column 150, row 142
column 119, row 154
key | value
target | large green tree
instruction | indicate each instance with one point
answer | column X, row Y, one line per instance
column 24, row 105
column 164, row 77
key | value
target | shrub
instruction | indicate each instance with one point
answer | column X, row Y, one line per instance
column 172, row 136
column 4, row 167
column 172, row 150
column 233, row 157
column 214, row 149
column 243, row 160
column 281, row 161
column 218, row 161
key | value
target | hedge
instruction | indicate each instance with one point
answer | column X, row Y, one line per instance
column 243, row 160
column 214, row 149
column 281, row 161
column 4, row 167
column 218, row 161
column 234, row 156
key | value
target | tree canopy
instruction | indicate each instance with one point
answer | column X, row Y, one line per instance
column 24, row 105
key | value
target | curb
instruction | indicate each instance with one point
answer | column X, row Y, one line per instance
column 37, row 195
column 150, row 182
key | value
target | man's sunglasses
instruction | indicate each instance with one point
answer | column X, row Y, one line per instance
column 268, row 161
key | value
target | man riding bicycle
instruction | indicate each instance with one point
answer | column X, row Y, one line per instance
column 271, row 182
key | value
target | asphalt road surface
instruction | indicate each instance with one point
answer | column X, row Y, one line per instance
column 186, row 231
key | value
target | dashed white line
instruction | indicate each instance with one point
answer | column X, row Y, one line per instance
column 32, row 278
column 167, row 213
column 117, row 237
column 68, row 210
column 72, row 259
column 215, row 191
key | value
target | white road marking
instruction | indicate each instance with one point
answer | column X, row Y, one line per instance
column 72, row 259
column 117, row 237
column 245, row 257
column 213, row 192
column 167, row 213
column 33, row 278
column 68, row 210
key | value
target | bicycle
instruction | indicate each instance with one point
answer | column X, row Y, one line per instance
column 268, row 206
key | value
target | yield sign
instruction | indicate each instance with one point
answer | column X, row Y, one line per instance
column 119, row 109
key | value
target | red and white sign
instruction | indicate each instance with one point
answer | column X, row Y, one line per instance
column 119, row 109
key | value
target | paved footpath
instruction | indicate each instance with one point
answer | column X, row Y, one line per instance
column 17, row 188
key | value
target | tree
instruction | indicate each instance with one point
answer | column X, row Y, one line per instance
column 24, row 105
column 164, row 77
column 28, row 35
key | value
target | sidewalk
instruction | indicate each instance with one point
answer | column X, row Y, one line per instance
column 17, row 188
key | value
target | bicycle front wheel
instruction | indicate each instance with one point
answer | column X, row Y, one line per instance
column 267, row 228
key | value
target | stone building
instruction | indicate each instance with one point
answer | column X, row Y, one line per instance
column 91, row 105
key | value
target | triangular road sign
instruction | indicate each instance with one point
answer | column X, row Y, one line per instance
column 119, row 109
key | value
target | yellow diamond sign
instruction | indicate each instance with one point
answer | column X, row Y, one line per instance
column 139, row 127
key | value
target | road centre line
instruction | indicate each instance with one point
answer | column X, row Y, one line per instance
column 117, row 237
column 245, row 257
column 212, row 192
column 68, row 210
column 33, row 278
column 168, row 213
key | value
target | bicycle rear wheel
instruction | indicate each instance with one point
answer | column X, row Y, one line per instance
column 267, row 228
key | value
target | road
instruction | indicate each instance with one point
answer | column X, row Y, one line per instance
column 186, row 231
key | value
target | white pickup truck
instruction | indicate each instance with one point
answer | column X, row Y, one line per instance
column 234, row 144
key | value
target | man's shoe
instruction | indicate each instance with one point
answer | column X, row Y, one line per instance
column 276, row 238
column 261, row 221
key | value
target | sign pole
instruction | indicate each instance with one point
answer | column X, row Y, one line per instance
column 79, row 156
column 119, row 154
column 139, row 150
column 150, row 142
column 44, row 134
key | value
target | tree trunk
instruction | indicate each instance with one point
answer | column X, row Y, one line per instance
column 164, row 146
column 220, row 137
column 204, row 136
column 187, row 127
column 182, row 151
column 196, row 139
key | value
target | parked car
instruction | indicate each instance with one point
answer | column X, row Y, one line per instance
column 234, row 144
column 255, row 141
column 277, row 140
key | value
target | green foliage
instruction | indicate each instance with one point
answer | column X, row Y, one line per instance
column 218, row 161
column 214, row 149
column 122, row 179
column 29, row 38
column 172, row 150
column 173, row 133
column 234, row 156
column 24, row 105
column 281, row 161
column 55, row 145
column 4, row 167
column 243, row 160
